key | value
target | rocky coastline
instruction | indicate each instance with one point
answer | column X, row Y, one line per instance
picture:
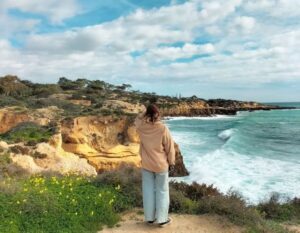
column 86, row 127
column 216, row 107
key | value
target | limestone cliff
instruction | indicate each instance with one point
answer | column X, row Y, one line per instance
column 12, row 116
column 124, row 106
column 107, row 142
column 43, row 158
column 199, row 107
column 80, row 144
column 184, row 108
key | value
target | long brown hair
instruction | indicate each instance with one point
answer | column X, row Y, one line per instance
column 152, row 113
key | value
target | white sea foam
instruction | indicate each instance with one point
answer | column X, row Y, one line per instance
column 256, row 170
column 254, row 177
column 216, row 117
column 188, row 139
column 226, row 134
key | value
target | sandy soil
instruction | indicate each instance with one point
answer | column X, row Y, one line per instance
column 133, row 222
column 294, row 229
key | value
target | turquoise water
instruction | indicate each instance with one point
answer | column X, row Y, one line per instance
column 254, row 153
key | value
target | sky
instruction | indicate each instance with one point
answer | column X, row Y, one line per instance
column 232, row 49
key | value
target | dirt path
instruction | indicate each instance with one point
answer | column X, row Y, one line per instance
column 133, row 222
column 293, row 228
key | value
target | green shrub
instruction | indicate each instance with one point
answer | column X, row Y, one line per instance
column 106, row 112
column 38, row 155
column 119, row 112
column 273, row 209
column 12, row 86
column 179, row 203
column 195, row 191
column 6, row 101
column 44, row 90
column 18, row 149
column 5, row 160
column 67, row 84
column 46, row 102
column 231, row 206
column 129, row 179
column 28, row 132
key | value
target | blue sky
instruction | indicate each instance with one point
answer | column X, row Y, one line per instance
column 237, row 49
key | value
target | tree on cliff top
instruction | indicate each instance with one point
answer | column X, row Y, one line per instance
column 124, row 86
column 12, row 86
column 67, row 84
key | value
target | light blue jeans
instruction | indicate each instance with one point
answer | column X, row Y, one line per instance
column 156, row 196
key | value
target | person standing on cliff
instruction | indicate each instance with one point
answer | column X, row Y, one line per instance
column 158, row 157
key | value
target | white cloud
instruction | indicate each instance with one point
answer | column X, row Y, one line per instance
column 275, row 8
column 173, row 53
column 258, row 5
column 55, row 10
column 245, row 49
column 141, row 30
column 244, row 23
column 213, row 11
column 10, row 25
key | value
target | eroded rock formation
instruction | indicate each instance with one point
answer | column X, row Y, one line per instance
column 44, row 158
column 12, row 116
column 211, row 107
column 84, row 145
column 107, row 142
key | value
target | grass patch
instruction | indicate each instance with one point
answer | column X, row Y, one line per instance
column 129, row 179
column 28, row 133
column 5, row 160
column 77, row 204
column 57, row 204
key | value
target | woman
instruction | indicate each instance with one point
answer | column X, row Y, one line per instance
column 158, row 156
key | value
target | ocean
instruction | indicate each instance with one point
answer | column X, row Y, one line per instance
column 254, row 153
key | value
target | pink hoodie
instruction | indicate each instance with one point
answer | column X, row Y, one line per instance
column 157, row 146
